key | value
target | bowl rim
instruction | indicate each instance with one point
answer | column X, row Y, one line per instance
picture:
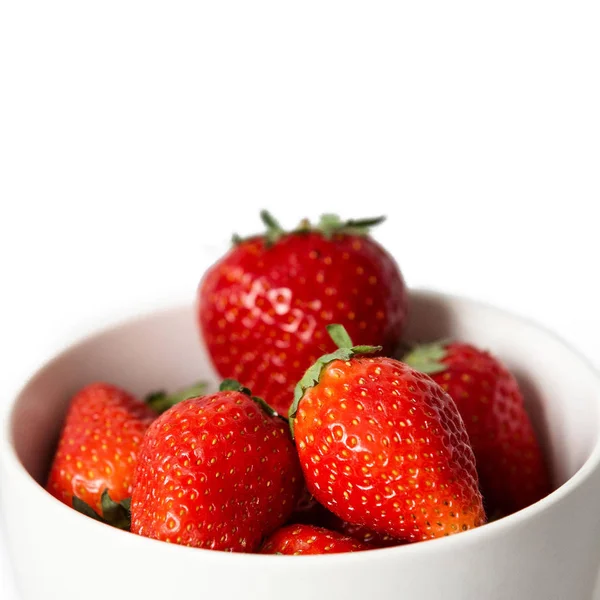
column 12, row 463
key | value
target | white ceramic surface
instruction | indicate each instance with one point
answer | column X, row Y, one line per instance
column 549, row 551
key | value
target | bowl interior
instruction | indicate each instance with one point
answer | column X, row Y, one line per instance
column 163, row 351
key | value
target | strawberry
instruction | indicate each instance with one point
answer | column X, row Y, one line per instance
column 309, row 512
column 383, row 446
column 98, row 446
column 308, row 539
column 263, row 307
column 217, row 472
column 361, row 533
column 511, row 467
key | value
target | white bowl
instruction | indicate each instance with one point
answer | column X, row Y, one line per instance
column 550, row 550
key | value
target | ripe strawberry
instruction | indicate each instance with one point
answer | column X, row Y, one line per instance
column 98, row 446
column 511, row 467
column 216, row 472
column 362, row 534
column 263, row 307
column 383, row 446
column 308, row 539
column 309, row 512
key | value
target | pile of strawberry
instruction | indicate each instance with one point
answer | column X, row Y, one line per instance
column 343, row 448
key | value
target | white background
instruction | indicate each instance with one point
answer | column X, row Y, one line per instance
column 135, row 138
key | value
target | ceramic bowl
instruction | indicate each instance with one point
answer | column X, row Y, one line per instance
column 550, row 550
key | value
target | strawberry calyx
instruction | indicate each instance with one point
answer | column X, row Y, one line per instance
column 346, row 351
column 115, row 514
column 427, row 358
column 231, row 385
column 328, row 226
column 160, row 401
column 331, row 224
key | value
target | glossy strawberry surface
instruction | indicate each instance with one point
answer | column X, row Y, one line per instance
column 511, row 466
column 262, row 309
column 310, row 512
column 308, row 539
column 383, row 446
column 99, row 445
column 362, row 533
column 215, row 472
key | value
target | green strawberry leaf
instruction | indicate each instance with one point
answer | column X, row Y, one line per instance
column 85, row 509
column 346, row 351
column 366, row 349
column 270, row 221
column 339, row 335
column 274, row 229
column 328, row 225
column 116, row 514
column 231, row 385
column 362, row 223
column 266, row 407
column 160, row 401
column 427, row 358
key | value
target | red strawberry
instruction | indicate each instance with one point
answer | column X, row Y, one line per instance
column 262, row 309
column 309, row 512
column 383, row 446
column 216, row 472
column 98, row 446
column 511, row 467
column 361, row 533
column 308, row 539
